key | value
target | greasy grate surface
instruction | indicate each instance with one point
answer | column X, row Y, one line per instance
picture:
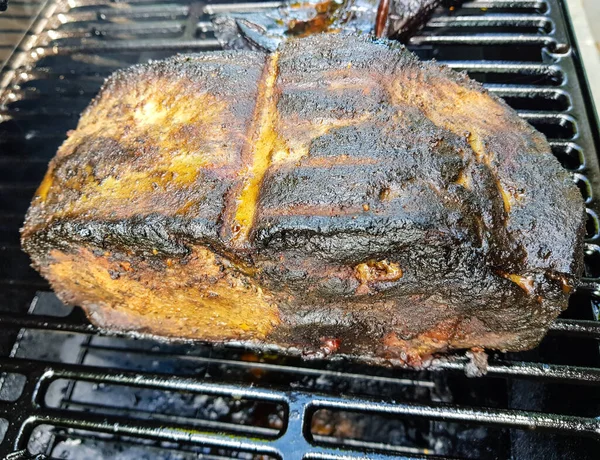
column 68, row 391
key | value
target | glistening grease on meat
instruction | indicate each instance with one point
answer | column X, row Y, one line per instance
column 336, row 196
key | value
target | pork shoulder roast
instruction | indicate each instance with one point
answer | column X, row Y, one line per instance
column 335, row 195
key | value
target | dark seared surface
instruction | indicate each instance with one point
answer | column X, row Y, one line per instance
column 338, row 195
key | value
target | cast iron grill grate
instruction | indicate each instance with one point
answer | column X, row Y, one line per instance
column 69, row 391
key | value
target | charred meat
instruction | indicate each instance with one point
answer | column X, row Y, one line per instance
column 336, row 196
column 265, row 30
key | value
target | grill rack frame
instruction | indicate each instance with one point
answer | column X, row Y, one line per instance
column 295, row 442
column 300, row 405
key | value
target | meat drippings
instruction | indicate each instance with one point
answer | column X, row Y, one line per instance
column 381, row 270
column 524, row 282
column 565, row 285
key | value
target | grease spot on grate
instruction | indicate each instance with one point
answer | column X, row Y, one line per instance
column 405, row 435
column 221, row 414
column 392, row 434
column 11, row 386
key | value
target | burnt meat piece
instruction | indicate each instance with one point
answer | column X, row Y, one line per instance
column 408, row 16
column 265, row 30
column 335, row 196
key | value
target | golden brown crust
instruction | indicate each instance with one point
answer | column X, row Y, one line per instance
column 200, row 294
column 151, row 143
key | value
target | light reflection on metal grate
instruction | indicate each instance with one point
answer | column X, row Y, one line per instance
column 519, row 49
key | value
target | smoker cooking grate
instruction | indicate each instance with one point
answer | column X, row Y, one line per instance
column 69, row 391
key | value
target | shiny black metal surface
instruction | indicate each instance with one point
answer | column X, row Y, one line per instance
column 68, row 390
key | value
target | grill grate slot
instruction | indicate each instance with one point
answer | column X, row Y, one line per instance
column 592, row 262
column 187, row 409
column 87, row 444
column 592, row 227
column 501, row 23
column 531, row 6
column 532, row 98
column 507, row 72
column 522, row 52
column 98, row 395
column 569, row 155
column 123, row 11
column 296, row 401
column 3, row 428
column 554, row 126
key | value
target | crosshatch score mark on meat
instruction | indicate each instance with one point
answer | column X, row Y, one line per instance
column 338, row 191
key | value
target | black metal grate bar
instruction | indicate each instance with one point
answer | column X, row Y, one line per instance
column 299, row 405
